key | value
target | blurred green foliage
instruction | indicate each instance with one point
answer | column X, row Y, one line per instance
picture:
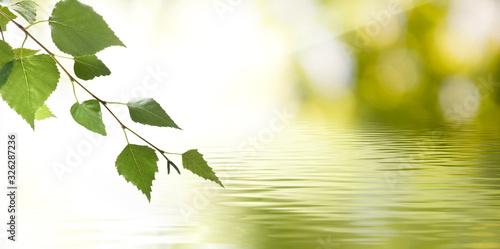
column 415, row 62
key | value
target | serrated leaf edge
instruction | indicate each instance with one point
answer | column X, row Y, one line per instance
column 25, row 78
column 90, row 65
column 148, row 195
column 216, row 181
column 86, row 114
column 138, row 107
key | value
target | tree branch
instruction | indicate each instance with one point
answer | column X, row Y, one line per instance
column 73, row 79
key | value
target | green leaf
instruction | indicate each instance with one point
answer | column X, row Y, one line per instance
column 26, row 8
column 138, row 165
column 31, row 81
column 78, row 30
column 89, row 66
column 23, row 52
column 43, row 113
column 88, row 114
column 3, row 20
column 6, row 53
column 149, row 112
column 6, row 58
column 193, row 161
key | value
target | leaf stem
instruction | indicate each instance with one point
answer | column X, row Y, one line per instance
column 22, row 46
column 126, row 137
column 74, row 80
column 74, row 91
column 143, row 139
column 116, row 103
column 64, row 57
column 171, row 153
column 29, row 26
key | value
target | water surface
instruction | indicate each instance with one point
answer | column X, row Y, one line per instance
column 318, row 184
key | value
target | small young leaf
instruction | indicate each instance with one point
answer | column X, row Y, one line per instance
column 138, row 165
column 88, row 114
column 6, row 53
column 89, row 66
column 149, row 112
column 26, row 8
column 78, row 30
column 31, row 81
column 3, row 20
column 170, row 163
column 193, row 161
column 43, row 113
column 23, row 52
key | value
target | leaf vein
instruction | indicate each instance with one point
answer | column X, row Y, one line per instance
column 82, row 30
column 137, row 165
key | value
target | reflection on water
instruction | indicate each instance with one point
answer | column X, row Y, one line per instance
column 321, row 184
column 367, row 186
